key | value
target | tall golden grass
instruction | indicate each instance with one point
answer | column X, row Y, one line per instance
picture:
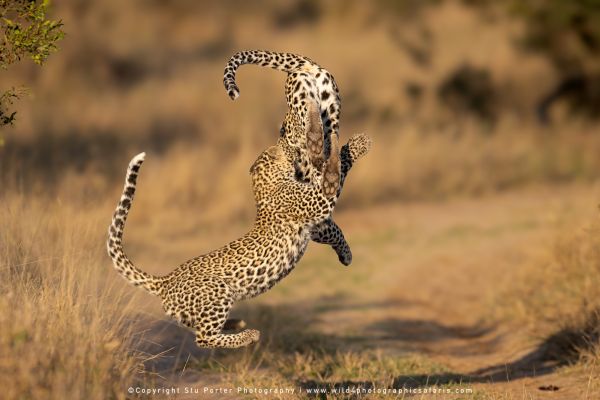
column 557, row 295
column 128, row 81
column 411, row 165
column 157, row 87
column 65, row 330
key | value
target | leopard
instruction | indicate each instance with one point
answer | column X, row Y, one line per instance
column 200, row 292
column 306, row 81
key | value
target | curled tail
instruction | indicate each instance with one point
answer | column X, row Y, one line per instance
column 115, row 234
column 286, row 62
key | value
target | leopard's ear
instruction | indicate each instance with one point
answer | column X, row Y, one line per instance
column 253, row 167
column 314, row 134
column 272, row 153
column 256, row 163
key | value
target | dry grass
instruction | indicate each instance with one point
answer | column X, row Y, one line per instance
column 556, row 295
column 293, row 355
column 123, row 91
column 410, row 166
column 155, row 86
column 419, row 165
column 65, row 330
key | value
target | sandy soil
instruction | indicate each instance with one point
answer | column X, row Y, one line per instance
column 426, row 279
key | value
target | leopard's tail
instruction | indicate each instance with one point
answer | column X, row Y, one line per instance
column 115, row 234
column 286, row 62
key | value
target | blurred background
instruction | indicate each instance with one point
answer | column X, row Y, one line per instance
column 461, row 97
column 465, row 218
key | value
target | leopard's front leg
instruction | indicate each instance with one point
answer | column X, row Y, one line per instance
column 327, row 232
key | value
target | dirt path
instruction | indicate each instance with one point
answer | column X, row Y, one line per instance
column 425, row 280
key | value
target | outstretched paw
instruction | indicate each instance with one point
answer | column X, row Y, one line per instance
column 345, row 256
column 359, row 145
column 253, row 335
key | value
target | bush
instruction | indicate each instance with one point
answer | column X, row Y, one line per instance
column 27, row 33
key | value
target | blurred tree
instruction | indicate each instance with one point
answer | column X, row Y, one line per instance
column 568, row 32
column 470, row 90
column 26, row 32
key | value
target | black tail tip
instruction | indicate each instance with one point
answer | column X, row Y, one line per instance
column 233, row 93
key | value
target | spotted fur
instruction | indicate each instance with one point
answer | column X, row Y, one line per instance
column 200, row 292
column 306, row 82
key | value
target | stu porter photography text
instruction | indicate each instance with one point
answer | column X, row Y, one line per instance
column 266, row 391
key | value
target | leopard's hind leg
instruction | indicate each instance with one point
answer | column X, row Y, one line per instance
column 212, row 309
column 330, row 167
column 204, row 307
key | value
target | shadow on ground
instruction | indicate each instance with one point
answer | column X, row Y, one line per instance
column 562, row 348
column 287, row 329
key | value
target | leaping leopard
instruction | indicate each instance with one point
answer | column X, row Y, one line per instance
column 200, row 292
column 306, row 81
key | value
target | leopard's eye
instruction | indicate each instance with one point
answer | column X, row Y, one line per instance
column 282, row 130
